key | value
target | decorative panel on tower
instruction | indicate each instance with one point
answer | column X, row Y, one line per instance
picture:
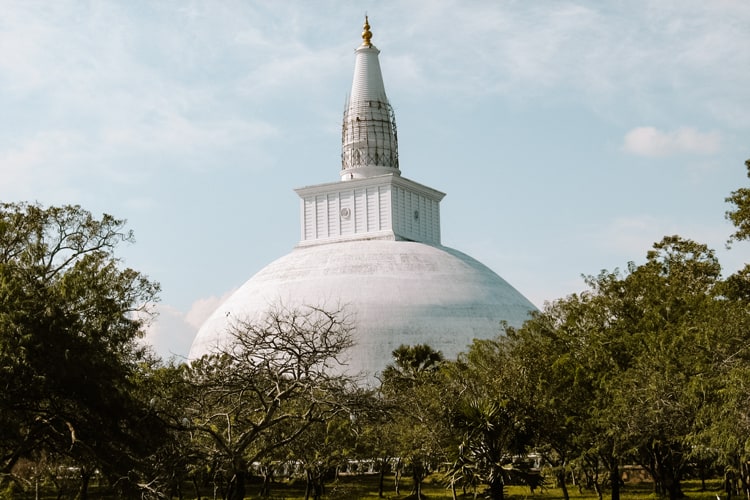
column 416, row 216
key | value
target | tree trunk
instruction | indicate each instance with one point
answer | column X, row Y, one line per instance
column 237, row 486
column 745, row 479
column 317, row 485
column 83, row 493
column 265, row 488
column 496, row 489
column 669, row 470
column 417, row 474
column 592, row 478
column 197, row 489
column 614, row 477
column 595, row 482
column 397, row 476
column 382, row 479
column 561, row 479
column 577, row 481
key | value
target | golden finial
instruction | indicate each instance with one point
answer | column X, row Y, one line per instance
column 366, row 34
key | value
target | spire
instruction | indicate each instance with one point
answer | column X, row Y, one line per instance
column 369, row 141
column 366, row 33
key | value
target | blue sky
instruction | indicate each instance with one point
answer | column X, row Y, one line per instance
column 568, row 135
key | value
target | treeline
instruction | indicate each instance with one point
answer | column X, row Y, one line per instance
column 648, row 366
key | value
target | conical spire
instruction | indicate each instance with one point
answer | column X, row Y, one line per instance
column 369, row 141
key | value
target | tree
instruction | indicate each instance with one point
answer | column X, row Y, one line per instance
column 546, row 372
column 489, row 411
column 727, row 430
column 670, row 310
column 178, row 459
column 70, row 322
column 321, row 450
column 412, row 362
column 373, row 426
column 659, row 330
column 725, row 423
column 411, row 385
column 575, row 424
column 643, row 350
column 276, row 379
column 740, row 215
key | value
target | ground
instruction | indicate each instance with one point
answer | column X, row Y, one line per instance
column 365, row 487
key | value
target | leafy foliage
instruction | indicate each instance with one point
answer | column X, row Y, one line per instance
column 740, row 215
column 70, row 320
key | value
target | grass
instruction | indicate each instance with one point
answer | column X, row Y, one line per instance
column 365, row 487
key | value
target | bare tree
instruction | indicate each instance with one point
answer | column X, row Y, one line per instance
column 275, row 379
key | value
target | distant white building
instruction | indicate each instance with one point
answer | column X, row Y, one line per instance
column 371, row 241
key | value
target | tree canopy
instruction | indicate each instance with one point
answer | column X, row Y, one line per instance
column 70, row 320
column 739, row 215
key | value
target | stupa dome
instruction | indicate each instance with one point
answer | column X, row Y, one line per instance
column 371, row 243
column 398, row 292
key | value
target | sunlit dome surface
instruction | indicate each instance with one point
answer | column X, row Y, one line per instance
column 399, row 292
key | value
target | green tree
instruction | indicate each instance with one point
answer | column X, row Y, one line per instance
column 373, row 426
column 178, row 460
column 740, row 214
column 725, row 423
column 70, row 322
column 671, row 312
column 575, row 408
column 642, row 350
column 321, row 450
column 488, row 409
column 727, row 430
column 547, row 374
column 411, row 386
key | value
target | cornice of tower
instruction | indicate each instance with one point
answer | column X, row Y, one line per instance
column 379, row 180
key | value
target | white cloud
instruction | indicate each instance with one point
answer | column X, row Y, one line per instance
column 649, row 141
column 172, row 332
column 649, row 56
column 170, row 335
column 202, row 309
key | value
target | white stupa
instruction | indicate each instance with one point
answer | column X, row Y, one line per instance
column 371, row 242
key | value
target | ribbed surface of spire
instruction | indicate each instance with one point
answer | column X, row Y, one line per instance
column 369, row 140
